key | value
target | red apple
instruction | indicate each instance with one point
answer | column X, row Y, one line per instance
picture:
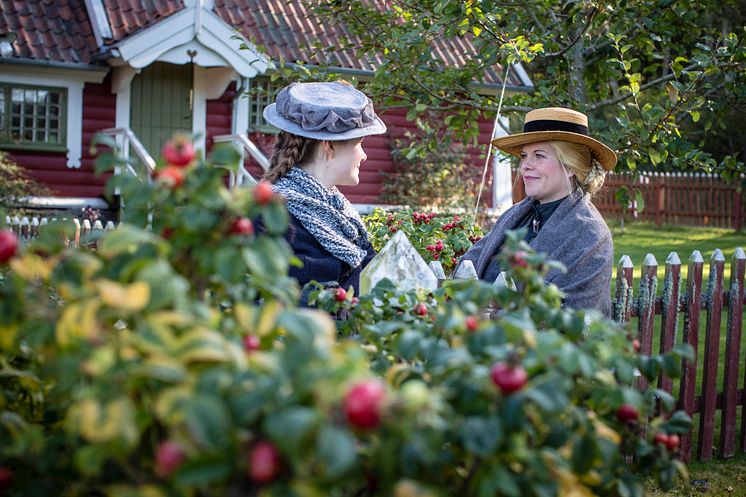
column 508, row 378
column 179, row 151
column 263, row 193
column 627, row 413
column 264, row 462
column 168, row 457
column 8, row 245
column 242, row 227
column 363, row 404
column 340, row 294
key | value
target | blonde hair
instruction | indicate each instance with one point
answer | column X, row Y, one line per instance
column 289, row 150
column 576, row 158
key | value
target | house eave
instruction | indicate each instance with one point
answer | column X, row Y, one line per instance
column 85, row 72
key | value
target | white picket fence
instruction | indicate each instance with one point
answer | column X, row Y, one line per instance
column 27, row 228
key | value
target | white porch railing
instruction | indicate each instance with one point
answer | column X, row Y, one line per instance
column 243, row 177
column 126, row 138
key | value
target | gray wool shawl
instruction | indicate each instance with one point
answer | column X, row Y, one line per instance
column 575, row 235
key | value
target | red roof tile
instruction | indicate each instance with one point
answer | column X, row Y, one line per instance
column 54, row 30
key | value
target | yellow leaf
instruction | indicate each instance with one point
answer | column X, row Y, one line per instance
column 115, row 421
column 7, row 336
column 133, row 297
column 78, row 321
column 203, row 346
column 31, row 266
column 169, row 406
column 267, row 318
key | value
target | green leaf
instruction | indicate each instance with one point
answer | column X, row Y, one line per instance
column 584, row 452
column 291, row 428
column 208, row 422
column 335, row 449
column 126, row 238
column 481, row 436
column 204, row 470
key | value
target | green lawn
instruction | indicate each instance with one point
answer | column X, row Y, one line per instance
column 719, row 477
column 639, row 239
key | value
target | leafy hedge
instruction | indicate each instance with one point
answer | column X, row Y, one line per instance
column 174, row 361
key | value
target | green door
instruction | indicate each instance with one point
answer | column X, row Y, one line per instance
column 161, row 104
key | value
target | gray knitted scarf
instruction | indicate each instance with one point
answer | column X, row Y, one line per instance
column 326, row 214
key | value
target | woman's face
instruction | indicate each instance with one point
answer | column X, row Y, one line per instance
column 343, row 166
column 543, row 176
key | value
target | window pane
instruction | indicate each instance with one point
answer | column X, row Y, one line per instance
column 34, row 115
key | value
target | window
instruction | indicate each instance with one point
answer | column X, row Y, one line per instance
column 32, row 117
column 262, row 93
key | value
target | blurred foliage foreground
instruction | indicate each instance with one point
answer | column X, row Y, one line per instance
column 172, row 360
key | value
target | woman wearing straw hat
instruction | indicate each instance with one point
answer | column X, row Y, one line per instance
column 561, row 167
column 322, row 126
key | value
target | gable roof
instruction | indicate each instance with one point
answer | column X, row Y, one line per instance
column 284, row 28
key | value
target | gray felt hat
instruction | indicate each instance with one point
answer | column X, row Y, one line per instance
column 324, row 111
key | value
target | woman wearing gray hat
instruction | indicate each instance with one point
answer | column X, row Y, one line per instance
column 319, row 147
column 561, row 167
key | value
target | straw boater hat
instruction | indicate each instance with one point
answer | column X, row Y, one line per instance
column 556, row 124
column 324, row 111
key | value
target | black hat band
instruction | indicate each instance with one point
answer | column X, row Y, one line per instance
column 552, row 125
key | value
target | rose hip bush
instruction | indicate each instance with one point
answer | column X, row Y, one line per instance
column 437, row 237
column 172, row 360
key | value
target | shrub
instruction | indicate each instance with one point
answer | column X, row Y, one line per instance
column 15, row 185
column 437, row 237
column 174, row 362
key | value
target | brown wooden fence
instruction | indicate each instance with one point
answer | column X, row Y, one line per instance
column 689, row 199
column 698, row 305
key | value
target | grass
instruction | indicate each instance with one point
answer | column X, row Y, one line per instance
column 717, row 477
column 639, row 239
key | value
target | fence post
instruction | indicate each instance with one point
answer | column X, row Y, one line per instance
column 646, row 308
column 693, row 301
column 623, row 302
column 714, row 303
column 732, row 352
column 669, row 311
column 738, row 207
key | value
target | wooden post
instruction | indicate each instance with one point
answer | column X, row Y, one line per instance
column 646, row 308
column 658, row 199
column 693, row 299
column 622, row 306
column 732, row 352
column 714, row 303
column 738, row 207
column 669, row 311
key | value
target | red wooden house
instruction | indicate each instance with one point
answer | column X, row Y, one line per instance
column 70, row 68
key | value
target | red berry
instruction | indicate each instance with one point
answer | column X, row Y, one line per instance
column 421, row 309
column 179, row 151
column 171, row 176
column 263, row 193
column 6, row 478
column 167, row 233
column 472, row 323
column 168, row 457
column 363, row 404
column 264, row 462
column 430, row 248
column 660, row 438
column 252, row 343
column 392, row 229
column 636, row 345
column 340, row 294
column 456, row 219
column 436, row 256
column 673, row 442
column 627, row 413
column 8, row 245
column 518, row 259
column 242, row 226
column 508, row 378
column 355, row 301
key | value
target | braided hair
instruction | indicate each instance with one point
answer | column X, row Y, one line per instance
column 289, row 150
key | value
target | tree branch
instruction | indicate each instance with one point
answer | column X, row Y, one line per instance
column 650, row 84
column 577, row 38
